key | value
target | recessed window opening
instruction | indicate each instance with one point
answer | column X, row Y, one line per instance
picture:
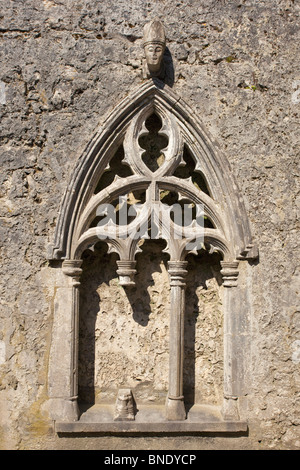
column 188, row 171
column 116, row 168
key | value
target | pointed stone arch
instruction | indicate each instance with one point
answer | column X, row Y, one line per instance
column 208, row 159
column 229, row 235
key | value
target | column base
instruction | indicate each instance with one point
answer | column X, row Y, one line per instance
column 175, row 409
column 63, row 409
column 230, row 409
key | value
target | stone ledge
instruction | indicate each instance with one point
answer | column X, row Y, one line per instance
column 99, row 419
column 167, row 427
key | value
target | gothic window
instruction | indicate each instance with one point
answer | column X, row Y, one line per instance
column 150, row 192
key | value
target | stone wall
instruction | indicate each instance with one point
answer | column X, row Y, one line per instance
column 65, row 65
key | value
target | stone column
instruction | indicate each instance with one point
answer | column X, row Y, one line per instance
column 175, row 409
column 231, row 350
column 63, row 364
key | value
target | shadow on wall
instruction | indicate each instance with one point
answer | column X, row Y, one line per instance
column 203, row 322
column 99, row 269
column 203, row 331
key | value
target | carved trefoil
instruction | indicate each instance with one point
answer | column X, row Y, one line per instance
column 154, row 171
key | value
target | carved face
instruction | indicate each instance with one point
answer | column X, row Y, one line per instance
column 154, row 54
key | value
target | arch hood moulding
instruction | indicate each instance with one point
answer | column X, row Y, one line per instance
column 154, row 96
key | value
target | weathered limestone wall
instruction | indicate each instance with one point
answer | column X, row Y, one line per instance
column 64, row 66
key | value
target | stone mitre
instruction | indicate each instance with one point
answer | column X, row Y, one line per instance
column 154, row 33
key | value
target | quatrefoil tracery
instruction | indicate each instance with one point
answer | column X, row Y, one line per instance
column 154, row 143
column 172, row 153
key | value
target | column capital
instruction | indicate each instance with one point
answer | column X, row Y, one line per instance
column 126, row 271
column 177, row 271
column 230, row 273
column 72, row 268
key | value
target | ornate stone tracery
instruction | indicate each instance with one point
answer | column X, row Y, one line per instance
column 229, row 233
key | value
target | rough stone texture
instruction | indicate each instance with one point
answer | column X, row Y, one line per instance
column 203, row 369
column 65, row 65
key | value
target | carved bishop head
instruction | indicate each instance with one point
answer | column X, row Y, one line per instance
column 154, row 45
